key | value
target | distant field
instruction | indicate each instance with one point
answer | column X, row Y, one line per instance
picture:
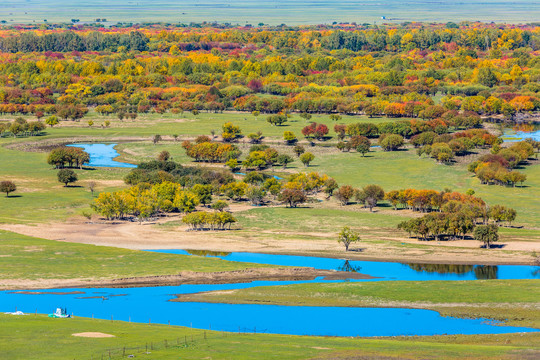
column 293, row 12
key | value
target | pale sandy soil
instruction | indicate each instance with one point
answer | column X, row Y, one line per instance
column 93, row 335
column 132, row 235
column 184, row 277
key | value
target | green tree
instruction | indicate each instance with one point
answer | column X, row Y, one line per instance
column 373, row 194
column 307, row 158
column 299, row 150
column 7, row 187
column 284, row 159
column 487, row 234
column 255, row 195
column 51, row 120
column 347, row 237
column 66, row 176
column 289, row 137
column 391, row 142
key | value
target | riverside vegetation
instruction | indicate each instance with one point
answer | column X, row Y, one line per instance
column 276, row 135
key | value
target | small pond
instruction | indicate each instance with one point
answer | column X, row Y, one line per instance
column 103, row 155
column 512, row 135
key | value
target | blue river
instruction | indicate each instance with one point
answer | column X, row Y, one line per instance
column 151, row 304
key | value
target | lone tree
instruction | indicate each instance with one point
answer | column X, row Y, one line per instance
column 307, row 158
column 91, row 185
column 164, row 156
column 487, row 234
column 7, row 187
column 67, row 176
column 347, row 237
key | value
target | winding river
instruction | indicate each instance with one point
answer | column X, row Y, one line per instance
column 151, row 304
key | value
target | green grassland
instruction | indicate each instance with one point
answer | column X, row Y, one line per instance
column 513, row 301
column 23, row 257
column 359, row 293
column 43, row 199
column 52, row 339
column 271, row 12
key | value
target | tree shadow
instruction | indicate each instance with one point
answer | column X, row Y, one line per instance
column 13, row 196
column 493, row 246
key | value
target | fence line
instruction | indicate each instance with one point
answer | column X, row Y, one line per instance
column 179, row 342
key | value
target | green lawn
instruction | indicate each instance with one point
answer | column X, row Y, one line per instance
column 24, row 337
column 24, row 257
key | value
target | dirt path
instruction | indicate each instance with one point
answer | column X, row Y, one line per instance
column 163, row 234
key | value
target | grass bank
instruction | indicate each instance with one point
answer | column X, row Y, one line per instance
column 514, row 300
column 53, row 339
column 27, row 258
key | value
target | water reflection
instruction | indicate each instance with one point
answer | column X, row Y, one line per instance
column 486, row 272
column 207, row 253
column 348, row 267
column 481, row 272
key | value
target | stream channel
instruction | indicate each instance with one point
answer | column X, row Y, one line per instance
column 144, row 304
column 151, row 304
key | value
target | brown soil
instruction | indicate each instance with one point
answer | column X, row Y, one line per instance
column 185, row 277
column 389, row 246
column 93, row 335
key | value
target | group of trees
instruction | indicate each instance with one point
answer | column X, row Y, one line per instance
column 452, row 214
column 498, row 166
column 68, row 156
column 368, row 196
column 208, row 151
column 394, row 71
column 21, row 127
column 204, row 220
column 430, row 200
column 144, row 201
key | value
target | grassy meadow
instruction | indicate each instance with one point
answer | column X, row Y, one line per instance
column 53, row 339
column 43, row 199
column 27, row 258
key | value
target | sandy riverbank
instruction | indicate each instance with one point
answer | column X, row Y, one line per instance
column 185, row 277
column 131, row 235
